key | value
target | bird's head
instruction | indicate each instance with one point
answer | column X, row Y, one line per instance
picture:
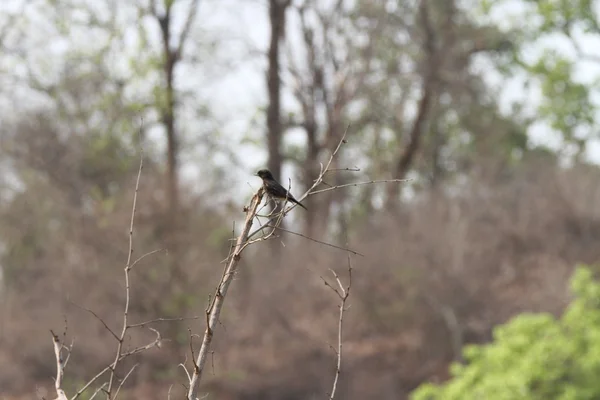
column 264, row 174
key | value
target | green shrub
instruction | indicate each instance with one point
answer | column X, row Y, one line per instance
column 534, row 356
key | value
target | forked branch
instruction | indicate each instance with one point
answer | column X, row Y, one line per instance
column 112, row 387
column 342, row 293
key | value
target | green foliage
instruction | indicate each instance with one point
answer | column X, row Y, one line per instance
column 566, row 103
column 534, row 356
column 561, row 14
column 551, row 53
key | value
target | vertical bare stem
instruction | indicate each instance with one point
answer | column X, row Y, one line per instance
column 126, row 270
column 60, row 367
column 343, row 294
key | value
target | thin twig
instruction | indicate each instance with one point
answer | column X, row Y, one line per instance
column 123, row 381
column 155, row 343
column 152, row 321
column 126, row 270
column 187, row 27
column 182, row 365
column 324, row 170
column 140, row 258
column 97, row 391
column 343, row 294
column 357, row 184
column 319, row 241
column 331, row 287
column 232, row 240
column 90, row 382
column 352, row 169
column 192, row 349
column 97, row 317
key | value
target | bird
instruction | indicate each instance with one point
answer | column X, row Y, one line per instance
column 274, row 189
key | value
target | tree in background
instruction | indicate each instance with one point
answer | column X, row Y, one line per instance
column 80, row 112
column 402, row 77
column 277, row 19
column 555, row 65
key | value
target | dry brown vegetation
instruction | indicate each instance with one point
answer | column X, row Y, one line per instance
column 490, row 226
column 439, row 274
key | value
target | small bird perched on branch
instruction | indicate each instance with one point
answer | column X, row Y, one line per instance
column 274, row 189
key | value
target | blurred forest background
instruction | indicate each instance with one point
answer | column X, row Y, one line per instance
column 490, row 107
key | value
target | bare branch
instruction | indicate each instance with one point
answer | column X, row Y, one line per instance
column 352, row 169
column 324, row 170
column 182, row 365
column 60, row 366
column 123, row 381
column 152, row 321
column 192, row 349
column 98, row 391
column 318, row 241
column 155, row 343
column 343, row 294
column 126, row 270
column 140, row 258
column 188, row 26
column 331, row 287
column 214, row 309
column 428, row 87
column 98, row 318
column 90, row 382
column 358, row 184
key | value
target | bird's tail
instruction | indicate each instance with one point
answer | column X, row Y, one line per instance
column 300, row 204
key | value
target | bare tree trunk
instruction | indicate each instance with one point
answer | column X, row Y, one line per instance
column 168, row 119
column 167, row 115
column 407, row 156
column 172, row 54
column 311, row 172
column 173, row 46
column 277, row 10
